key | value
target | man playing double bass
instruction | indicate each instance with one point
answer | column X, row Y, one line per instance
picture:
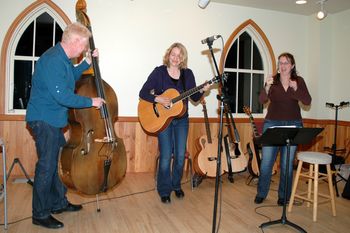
column 52, row 94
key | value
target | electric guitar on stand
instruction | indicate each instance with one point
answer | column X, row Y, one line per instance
column 254, row 148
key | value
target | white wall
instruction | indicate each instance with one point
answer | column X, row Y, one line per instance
column 340, row 54
column 328, row 55
column 132, row 37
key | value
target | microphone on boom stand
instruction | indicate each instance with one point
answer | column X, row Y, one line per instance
column 209, row 41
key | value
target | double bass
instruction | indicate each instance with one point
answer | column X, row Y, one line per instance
column 94, row 158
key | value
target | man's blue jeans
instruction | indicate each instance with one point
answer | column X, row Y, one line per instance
column 48, row 190
column 269, row 154
column 172, row 141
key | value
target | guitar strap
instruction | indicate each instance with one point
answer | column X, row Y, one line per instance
column 182, row 79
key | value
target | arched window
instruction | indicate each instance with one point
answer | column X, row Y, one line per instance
column 246, row 60
column 37, row 29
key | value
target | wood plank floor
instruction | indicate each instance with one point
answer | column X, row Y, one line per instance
column 134, row 206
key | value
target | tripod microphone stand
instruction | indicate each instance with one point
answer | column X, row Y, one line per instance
column 223, row 101
column 334, row 149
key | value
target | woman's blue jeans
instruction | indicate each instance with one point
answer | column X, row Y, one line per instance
column 48, row 191
column 172, row 142
column 269, row 154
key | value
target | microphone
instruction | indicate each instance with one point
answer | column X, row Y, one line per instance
column 210, row 39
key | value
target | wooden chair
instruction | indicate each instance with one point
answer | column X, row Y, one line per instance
column 314, row 159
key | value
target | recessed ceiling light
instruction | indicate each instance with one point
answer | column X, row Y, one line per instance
column 300, row 2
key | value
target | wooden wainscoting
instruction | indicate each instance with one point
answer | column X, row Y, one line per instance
column 142, row 148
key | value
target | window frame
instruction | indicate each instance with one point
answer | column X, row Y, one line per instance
column 264, row 47
column 11, row 40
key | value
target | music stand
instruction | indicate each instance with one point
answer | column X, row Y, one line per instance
column 279, row 136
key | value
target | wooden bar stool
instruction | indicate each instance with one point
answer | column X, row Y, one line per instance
column 188, row 169
column 314, row 159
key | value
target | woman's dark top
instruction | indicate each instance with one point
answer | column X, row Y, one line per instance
column 284, row 104
column 160, row 80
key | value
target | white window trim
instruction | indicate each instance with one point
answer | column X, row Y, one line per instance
column 10, row 53
column 265, row 56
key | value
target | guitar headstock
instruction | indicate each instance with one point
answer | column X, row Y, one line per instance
column 247, row 111
column 216, row 79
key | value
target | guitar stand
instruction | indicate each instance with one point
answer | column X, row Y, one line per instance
column 287, row 136
column 17, row 161
column 251, row 178
column 228, row 157
column 197, row 179
column 252, row 175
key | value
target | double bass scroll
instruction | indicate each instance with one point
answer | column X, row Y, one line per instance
column 94, row 158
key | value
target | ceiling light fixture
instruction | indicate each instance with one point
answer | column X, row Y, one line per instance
column 300, row 2
column 322, row 13
column 203, row 3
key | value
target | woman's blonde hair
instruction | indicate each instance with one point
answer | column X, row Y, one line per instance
column 74, row 30
column 183, row 55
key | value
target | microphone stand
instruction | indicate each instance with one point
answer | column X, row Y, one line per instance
column 222, row 98
column 334, row 149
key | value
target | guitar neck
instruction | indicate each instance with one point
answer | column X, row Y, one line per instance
column 188, row 93
column 251, row 119
column 207, row 127
column 192, row 91
column 255, row 129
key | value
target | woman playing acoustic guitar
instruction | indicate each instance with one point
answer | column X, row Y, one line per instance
column 173, row 74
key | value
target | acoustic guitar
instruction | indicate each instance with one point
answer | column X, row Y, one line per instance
column 254, row 147
column 154, row 117
column 204, row 163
